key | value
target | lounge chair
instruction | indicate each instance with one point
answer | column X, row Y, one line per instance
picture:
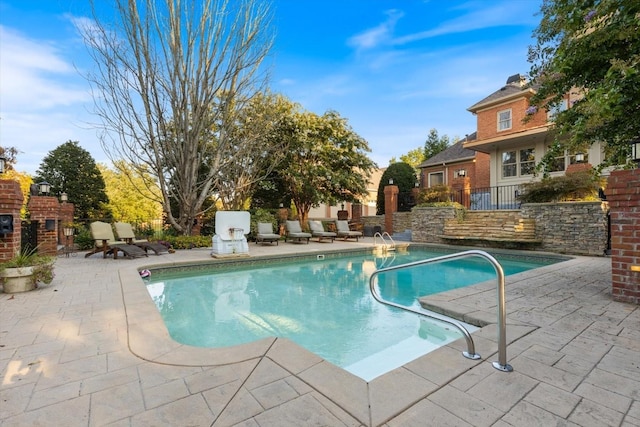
column 317, row 230
column 294, row 232
column 105, row 242
column 124, row 230
column 265, row 233
column 342, row 228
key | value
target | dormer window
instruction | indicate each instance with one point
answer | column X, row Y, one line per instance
column 504, row 120
column 555, row 109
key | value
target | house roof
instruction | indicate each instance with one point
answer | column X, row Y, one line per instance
column 515, row 87
column 452, row 154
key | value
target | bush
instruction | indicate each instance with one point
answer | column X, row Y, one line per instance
column 188, row 242
column 436, row 194
column 582, row 185
column 261, row 215
column 83, row 238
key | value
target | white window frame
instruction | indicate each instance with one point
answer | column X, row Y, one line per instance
column 432, row 174
column 504, row 123
column 513, row 164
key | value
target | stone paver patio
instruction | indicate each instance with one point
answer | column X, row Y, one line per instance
column 90, row 349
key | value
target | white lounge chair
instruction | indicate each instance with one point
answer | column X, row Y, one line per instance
column 124, row 230
column 317, row 230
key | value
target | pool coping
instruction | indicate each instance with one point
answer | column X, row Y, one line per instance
column 149, row 339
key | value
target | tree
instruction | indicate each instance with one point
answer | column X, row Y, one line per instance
column 413, row 157
column 170, row 78
column 9, row 154
column 326, row 162
column 434, row 144
column 70, row 169
column 132, row 198
column 258, row 127
column 403, row 175
column 590, row 48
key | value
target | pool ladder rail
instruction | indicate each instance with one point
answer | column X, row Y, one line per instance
column 501, row 364
column 384, row 246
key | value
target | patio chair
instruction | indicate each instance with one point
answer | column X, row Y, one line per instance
column 343, row 230
column 317, row 230
column 294, row 232
column 124, row 230
column 265, row 233
column 105, row 242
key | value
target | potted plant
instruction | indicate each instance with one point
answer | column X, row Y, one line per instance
column 25, row 271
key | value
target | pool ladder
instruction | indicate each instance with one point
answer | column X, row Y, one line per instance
column 501, row 364
column 384, row 246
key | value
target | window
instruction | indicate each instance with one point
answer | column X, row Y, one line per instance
column 555, row 109
column 504, row 120
column 523, row 160
column 527, row 161
column 509, row 164
column 436, row 178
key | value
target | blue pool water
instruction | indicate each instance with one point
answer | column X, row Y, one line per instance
column 322, row 305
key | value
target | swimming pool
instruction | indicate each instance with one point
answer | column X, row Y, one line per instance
column 323, row 305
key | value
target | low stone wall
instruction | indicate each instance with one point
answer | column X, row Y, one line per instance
column 428, row 223
column 402, row 221
column 578, row 228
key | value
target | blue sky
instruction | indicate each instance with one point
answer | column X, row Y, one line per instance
column 394, row 69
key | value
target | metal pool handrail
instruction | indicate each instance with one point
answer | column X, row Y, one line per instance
column 501, row 364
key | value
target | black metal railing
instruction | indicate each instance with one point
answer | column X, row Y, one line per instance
column 489, row 198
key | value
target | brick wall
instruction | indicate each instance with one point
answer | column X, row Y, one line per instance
column 488, row 119
column 11, row 199
column 43, row 208
column 623, row 195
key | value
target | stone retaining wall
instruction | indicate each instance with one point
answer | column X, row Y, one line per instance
column 578, row 228
column 570, row 227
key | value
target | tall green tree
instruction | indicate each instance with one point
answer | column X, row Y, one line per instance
column 591, row 48
column 326, row 162
column 169, row 78
column 435, row 144
column 70, row 169
column 132, row 198
column 403, row 175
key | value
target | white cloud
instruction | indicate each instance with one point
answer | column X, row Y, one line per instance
column 378, row 35
column 43, row 99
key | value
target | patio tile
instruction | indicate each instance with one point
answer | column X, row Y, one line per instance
column 527, row 414
column 466, row 406
column 553, row 399
column 591, row 413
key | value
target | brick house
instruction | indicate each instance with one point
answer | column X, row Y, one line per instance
column 515, row 146
column 459, row 168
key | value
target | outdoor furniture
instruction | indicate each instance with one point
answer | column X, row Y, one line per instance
column 343, row 230
column 317, row 230
column 265, row 233
column 124, row 230
column 105, row 242
column 294, row 232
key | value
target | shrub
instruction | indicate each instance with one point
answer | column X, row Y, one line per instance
column 188, row 242
column 261, row 215
column 437, row 193
column 581, row 185
column 83, row 238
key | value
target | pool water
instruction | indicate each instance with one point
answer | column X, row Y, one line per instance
column 322, row 305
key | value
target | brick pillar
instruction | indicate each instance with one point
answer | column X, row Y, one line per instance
column 390, row 206
column 11, row 199
column 65, row 216
column 356, row 212
column 623, row 195
column 43, row 208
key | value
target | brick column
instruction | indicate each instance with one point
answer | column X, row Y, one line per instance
column 390, row 206
column 356, row 212
column 623, row 195
column 43, row 208
column 11, row 199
